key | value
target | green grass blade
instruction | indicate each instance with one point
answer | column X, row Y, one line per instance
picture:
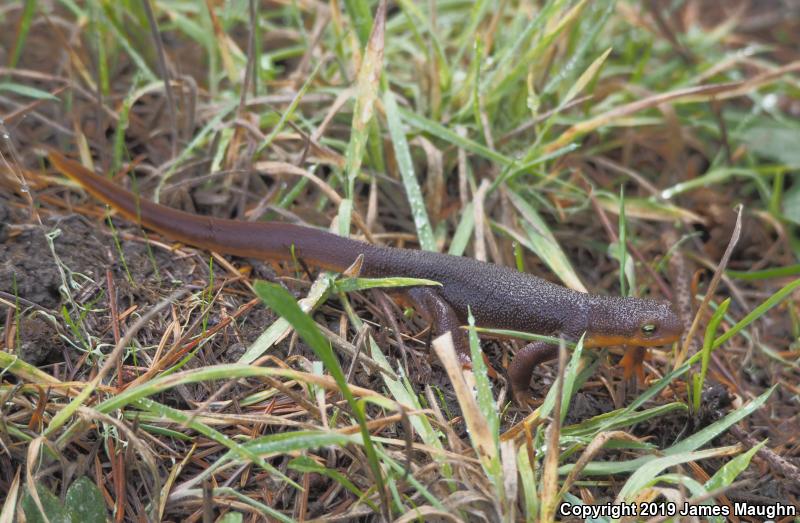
column 588, row 75
column 289, row 112
column 27, row 91
column 541, row 241
column 528, row 336
column 296, row 440
column 121, row 37
column 359, row 13
column 646, row 209
column 189, row 149
column 774, row 272
column 23, row 27
column 413, row 192
column 369, row 75
column 535, row 156
column 568, row 390
column 188, row 420
column 360, row 284
column 598, row 19
column 343, row 217
column 759, row 311
column 466, row 225
column 728, row 473
column 25, row 371
column 508, row 55
column 307, row 465
column 645, row 475
column 622, row 250
column 712, row 177
column 279, row 300
column 485, row 398
column 317, row 295
column 403, row 393
column 521, row 63
column 708, row 339
column 618, row 419
column 438, row 130
column 689, row 444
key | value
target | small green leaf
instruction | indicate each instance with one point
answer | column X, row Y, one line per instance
column 54, row 511
column 231, row 517
column 791, row 204
column 85, row 502
column 774, row 140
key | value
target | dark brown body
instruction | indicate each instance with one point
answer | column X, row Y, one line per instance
column 499, row 297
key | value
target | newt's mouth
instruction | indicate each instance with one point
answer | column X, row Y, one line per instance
column 604, row 340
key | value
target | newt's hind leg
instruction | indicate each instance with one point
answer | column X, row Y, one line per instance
column 435, row 310
column 521, row 368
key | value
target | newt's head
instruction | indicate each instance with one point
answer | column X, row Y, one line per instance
column 632, row 321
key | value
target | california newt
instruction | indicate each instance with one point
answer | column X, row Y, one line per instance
column 499, row 297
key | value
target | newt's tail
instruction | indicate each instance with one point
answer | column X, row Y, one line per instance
column 264, row 240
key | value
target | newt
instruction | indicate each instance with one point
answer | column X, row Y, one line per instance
column 499, row 297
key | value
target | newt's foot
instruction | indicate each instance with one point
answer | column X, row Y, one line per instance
column 522, row 398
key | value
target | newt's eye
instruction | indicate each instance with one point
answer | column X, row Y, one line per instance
column 648, row 329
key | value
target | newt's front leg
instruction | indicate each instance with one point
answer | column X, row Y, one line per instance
column 633, row 363
column 521, row 368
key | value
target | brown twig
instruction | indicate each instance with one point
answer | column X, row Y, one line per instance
column 712, row 287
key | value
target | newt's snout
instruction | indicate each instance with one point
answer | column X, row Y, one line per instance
column 632, row 321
